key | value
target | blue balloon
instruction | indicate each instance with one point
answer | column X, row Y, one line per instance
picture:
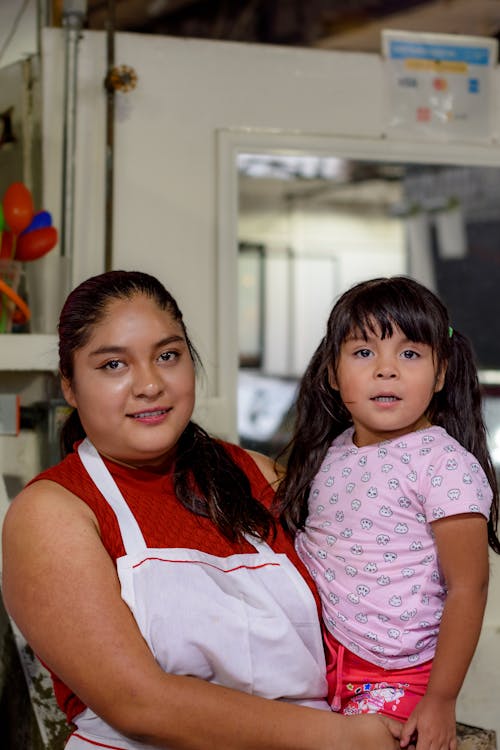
column 39, row 221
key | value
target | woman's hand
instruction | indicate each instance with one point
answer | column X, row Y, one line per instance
column 371, row 732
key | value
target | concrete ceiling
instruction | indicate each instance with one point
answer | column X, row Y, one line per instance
column 467, row 17
column 352, row 25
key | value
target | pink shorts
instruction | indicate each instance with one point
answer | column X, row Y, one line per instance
column 356, row 686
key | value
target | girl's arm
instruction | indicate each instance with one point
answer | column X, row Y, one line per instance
column 61, row 588
column 462, row 544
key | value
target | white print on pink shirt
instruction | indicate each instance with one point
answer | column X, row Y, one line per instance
column 368, row 540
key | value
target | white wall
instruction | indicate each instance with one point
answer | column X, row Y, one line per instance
column 24, row 39
column 174, row 168
column 363, row 245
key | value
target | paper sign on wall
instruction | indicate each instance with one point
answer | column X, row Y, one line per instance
column 438, row 85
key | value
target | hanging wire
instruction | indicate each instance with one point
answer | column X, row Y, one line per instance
column 14, row 28
column 110, row 136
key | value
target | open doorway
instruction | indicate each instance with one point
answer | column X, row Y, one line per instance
column 309, row 227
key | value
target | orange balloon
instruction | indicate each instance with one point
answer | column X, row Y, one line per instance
column 6, row 246
column 36, row 243
column 18, row 208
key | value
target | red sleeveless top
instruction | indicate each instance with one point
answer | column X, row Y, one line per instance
column 164, row 522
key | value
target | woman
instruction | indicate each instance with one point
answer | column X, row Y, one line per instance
column 146, row 569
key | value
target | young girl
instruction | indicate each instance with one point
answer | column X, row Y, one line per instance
column 393, row 498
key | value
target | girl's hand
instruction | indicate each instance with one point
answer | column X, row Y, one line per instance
column 433, row 724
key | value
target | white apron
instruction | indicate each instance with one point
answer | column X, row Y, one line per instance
column 246, row 621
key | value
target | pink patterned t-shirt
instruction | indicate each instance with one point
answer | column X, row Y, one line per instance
column 368, row 540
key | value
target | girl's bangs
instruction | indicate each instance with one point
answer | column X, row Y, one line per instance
column 379, row 314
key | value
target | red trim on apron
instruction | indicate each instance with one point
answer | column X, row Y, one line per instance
column 210, row 565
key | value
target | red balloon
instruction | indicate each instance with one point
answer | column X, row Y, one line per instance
column 6, row 246
column 18, row 208
column 36, row 243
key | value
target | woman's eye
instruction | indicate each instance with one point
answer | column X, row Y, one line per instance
column 113, row 364
column 168, row 356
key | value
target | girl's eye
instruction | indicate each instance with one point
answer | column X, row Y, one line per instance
column 363, row 353
column 410, row 354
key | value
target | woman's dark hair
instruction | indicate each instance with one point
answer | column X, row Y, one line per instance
column 372, row 306
column 206, row 479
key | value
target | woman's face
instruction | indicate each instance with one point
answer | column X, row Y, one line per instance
column 134, row 383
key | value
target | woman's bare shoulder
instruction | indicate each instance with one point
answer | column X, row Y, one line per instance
column 43, row 504
column 272, row 470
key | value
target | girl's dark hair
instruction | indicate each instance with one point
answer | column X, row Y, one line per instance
column 206, row 479
column 381, row 304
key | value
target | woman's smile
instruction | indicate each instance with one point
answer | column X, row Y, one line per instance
column 150, row 415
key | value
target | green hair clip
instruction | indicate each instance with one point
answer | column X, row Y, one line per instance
column 450, row 331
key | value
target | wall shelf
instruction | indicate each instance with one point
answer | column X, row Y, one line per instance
column 34, row 352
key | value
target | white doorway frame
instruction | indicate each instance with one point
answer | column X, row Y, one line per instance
column 232, row 143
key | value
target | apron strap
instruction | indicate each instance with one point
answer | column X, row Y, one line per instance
column 258, row 544
column 133, row 540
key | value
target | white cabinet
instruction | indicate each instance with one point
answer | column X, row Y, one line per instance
column 34, row 352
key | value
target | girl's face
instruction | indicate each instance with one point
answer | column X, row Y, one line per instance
column 386, row 384
column 134, row 383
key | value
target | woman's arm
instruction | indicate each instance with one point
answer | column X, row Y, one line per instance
column 61, row 588
column 272, row 471
column 462, row 544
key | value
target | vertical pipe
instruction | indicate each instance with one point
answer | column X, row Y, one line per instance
column 72, row 21
column 110, row 120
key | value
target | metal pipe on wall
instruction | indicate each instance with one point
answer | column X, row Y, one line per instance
column 110, row 130
column 120, row 78
column 73, row 15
